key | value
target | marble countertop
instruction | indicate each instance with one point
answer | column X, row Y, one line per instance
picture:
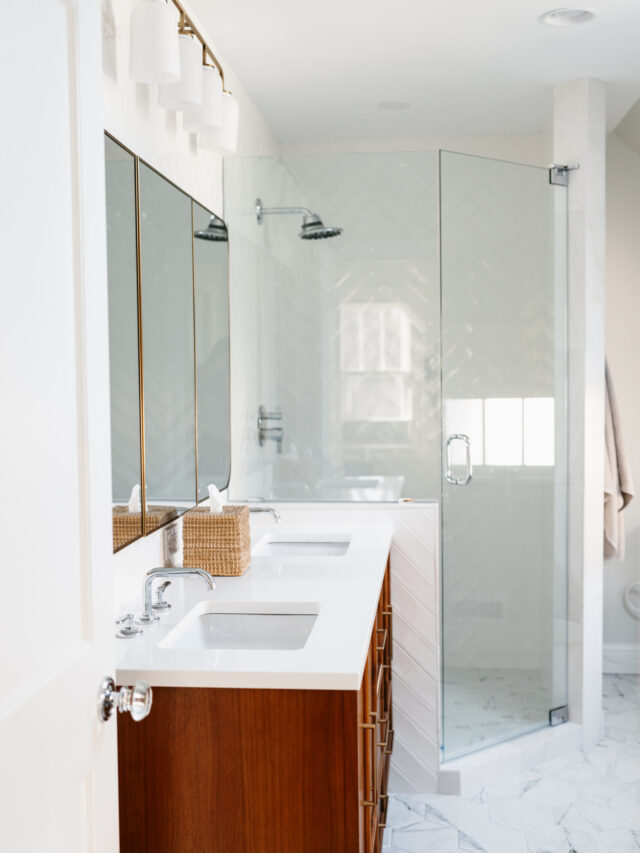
column 344, row 590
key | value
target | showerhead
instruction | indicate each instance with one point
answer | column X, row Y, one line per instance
column 313, row 227
column 216, row 230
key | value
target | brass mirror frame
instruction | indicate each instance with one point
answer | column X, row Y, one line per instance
column 136, row 171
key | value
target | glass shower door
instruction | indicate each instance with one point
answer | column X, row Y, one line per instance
column 504, row 484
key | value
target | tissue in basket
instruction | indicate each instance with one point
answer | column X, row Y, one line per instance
column 220, row 542
column 127, row 525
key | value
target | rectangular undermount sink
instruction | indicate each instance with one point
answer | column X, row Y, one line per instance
column 285, row 548
column 291, row 545
column 243, row 626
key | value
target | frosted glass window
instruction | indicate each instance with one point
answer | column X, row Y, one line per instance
column 371, row 397
column 375, row 337
column 466, row 417
column 539, row 431
column 503, row 431
column 349, row 339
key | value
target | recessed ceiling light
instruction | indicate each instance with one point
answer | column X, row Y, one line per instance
column 393, row 105
column 566, row 17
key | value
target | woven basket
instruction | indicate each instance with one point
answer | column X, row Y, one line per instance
column 127, row 526
column 219, row 543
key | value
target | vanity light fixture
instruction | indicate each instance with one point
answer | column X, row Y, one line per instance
column 225, row 139
column 566, row 17
column 209, row 107
column 186, row 94
column 208, row 117
column 154, row 54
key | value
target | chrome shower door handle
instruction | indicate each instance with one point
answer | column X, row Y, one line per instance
column 448, row 474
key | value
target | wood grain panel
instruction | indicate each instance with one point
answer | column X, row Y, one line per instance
column 235, row 770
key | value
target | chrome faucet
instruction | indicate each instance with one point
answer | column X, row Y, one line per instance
column 274, row 512
column 148, row 615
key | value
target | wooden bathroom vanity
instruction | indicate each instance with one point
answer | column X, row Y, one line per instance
column 245, row 770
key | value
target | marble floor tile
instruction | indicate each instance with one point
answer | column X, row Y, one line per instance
column 587, row 801
column 426, row 839
column 483, row 706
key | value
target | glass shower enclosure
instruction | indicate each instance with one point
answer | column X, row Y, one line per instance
column 420, row 354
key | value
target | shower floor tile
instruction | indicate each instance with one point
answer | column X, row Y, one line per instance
column 484, row 706
column 584, row 802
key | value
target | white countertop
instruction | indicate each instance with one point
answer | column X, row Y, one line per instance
column 345, row 590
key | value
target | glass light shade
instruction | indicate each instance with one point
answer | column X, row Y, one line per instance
column 225, row 139
column 153, row 43
column 186, row 94
column 209, row 115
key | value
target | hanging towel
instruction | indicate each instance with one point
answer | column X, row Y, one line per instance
column 618, row 484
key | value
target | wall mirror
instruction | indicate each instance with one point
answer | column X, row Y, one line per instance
column 122, row 266
column 169, row 347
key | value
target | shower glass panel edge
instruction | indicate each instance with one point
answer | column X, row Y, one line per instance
column 504, row 439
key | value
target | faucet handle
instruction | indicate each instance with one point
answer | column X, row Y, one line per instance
column 128, row 629
column 160, row 603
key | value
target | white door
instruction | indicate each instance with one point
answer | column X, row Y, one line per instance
column 58, row 779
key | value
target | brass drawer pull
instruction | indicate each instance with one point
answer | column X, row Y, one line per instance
column 384, row 744
column 389, row 614
column 390, row 737
column 368, row 804
column 382, row 631
column 379, row 682
column 366, row 725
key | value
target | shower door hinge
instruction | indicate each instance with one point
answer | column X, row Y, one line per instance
column 559, row 175
column 560, row 715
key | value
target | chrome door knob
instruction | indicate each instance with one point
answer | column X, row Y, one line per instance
column 136, row 700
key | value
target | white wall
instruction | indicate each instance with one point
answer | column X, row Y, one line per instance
column 621, row 630
column 155, row 134
column 133, row 117
column 579, row 136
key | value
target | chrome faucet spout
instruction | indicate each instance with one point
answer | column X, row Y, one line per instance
column 271, row 510
column 148, row 615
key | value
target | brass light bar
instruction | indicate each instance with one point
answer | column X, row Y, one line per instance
column 187, row 26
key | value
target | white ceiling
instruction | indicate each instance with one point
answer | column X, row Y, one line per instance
column 318, row 68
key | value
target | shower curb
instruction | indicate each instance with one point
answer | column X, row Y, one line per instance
column 467, row 776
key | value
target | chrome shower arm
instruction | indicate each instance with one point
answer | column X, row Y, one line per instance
column 266, row 210
column 313, row 228
column 263, row 211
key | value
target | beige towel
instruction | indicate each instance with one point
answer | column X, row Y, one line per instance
column 618, row 483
